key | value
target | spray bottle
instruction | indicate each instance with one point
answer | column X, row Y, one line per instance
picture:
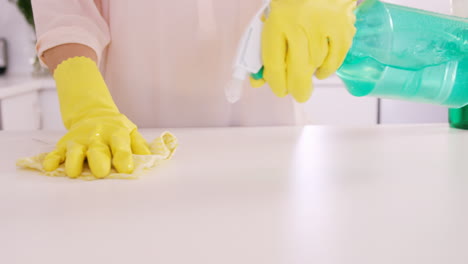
column 458, row 117
column 397, row 53
column 408, row 54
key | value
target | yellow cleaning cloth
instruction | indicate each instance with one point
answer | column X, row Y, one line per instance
column 162, row 149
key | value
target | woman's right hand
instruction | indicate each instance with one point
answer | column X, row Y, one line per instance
column 302, row 38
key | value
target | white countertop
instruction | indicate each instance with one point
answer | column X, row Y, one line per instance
column 15, row 84
column 369, row 195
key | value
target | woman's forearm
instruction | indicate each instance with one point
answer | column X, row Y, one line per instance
column 54, row 56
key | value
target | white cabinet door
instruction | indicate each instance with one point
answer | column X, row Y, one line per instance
column 335, row 106
column 31, row 105
column 331, row 104
column 50, row 110
column 21, row 112
column 400, row 112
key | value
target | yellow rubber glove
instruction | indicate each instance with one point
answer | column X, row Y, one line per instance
column 96, row 129
column 302, row 38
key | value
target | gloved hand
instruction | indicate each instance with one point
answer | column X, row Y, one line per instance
column 96, row 129
column 302, row 38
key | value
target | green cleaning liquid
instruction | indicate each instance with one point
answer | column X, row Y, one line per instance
column 408, row 54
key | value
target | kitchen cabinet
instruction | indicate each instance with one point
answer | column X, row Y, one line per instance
column 31, row 104
column 50, row 110
column 28, row 103
column 331, row 104
column 21, row 112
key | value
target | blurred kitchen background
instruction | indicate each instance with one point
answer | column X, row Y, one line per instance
column 28, row 100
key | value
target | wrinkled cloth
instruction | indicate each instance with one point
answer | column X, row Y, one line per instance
column 162, row 149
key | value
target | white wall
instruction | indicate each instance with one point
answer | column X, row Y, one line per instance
column 19, row 35
column 460, row 8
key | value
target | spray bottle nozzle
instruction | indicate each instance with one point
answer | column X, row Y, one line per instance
column 248, row 60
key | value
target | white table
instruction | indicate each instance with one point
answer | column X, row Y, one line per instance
column 368, row 195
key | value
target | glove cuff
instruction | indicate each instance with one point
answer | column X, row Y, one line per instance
column 82, row 91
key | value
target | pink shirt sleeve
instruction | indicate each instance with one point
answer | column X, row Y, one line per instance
column 70, row 21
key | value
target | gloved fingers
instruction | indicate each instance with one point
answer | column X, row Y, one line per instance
column 318, row 49
column 99, row 159
column 53, row 159
column 338, row 47
column 256, row 83
column 274, row 57
column 299, row 71
column 122, row 158
column 139, row 144
column 74, row 159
